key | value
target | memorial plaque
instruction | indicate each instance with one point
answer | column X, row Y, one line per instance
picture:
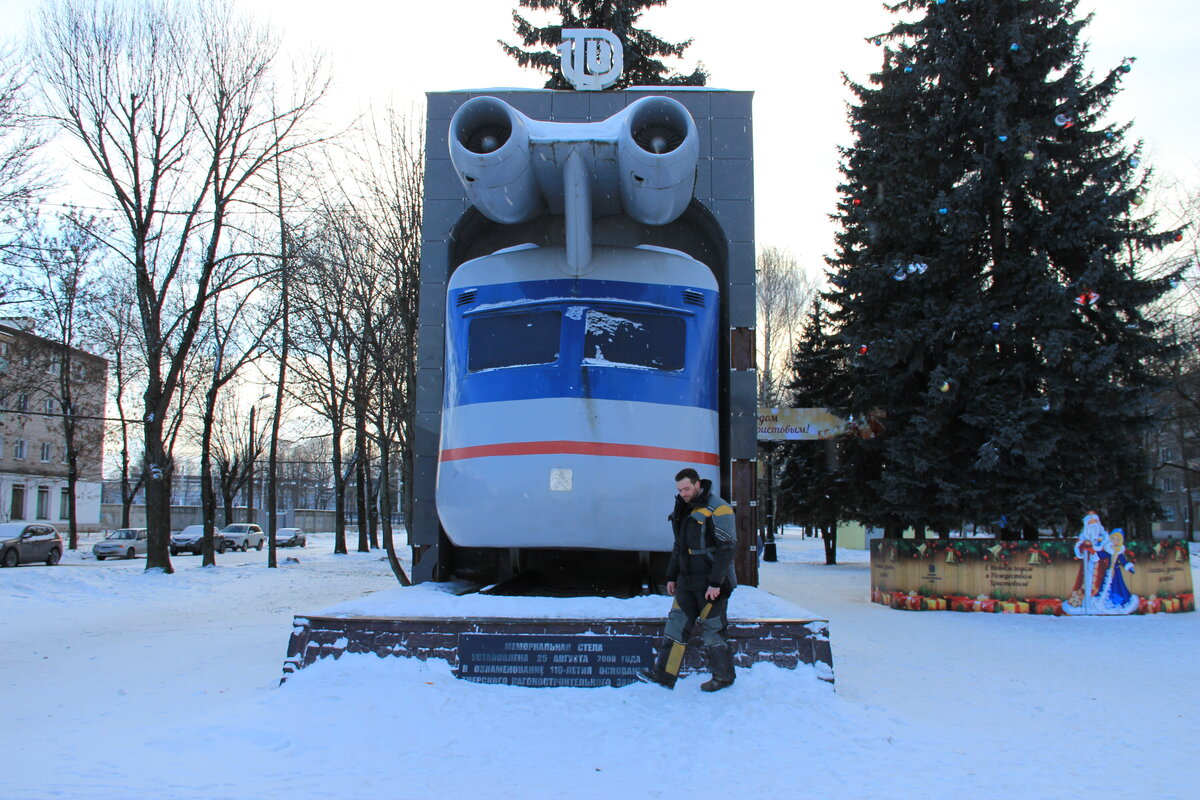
column 552, row 659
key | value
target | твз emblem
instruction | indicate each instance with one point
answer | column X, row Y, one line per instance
column 591, row 59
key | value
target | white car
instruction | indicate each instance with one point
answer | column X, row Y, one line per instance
column 243, row 536
column 122, row 543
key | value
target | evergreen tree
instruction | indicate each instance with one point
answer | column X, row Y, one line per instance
column 814, row 489
column 539, row 45
column 986, row 283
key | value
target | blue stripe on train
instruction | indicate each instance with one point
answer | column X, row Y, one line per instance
column 695, row 385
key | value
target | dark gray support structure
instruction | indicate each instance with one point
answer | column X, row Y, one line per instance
column 724, row 190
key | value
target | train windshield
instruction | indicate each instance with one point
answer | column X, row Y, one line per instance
column 513, row 340
column 655, row 341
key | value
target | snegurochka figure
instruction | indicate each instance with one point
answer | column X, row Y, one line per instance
column 700, row 577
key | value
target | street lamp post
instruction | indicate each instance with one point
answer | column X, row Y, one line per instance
column 250, row 454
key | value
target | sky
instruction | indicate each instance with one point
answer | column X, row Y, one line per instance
column 790, row 54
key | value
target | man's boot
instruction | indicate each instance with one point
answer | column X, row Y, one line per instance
column 661, row 672
column 720, row 663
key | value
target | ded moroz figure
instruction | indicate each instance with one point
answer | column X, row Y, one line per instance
column 700, row 576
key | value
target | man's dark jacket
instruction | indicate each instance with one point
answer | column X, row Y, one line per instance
column 705, row 536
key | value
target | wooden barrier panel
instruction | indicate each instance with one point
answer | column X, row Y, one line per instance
column 1060, row 576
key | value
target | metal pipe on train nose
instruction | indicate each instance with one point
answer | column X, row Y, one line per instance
column 489, row 147
column 657, row 152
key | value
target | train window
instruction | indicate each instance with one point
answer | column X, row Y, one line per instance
column 631, row 339
column 513, row 340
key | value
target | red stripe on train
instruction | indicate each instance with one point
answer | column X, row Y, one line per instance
column 580, row 449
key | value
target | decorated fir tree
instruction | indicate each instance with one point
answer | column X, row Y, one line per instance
column 814, row 482
column 538, row 47
column 985, row 289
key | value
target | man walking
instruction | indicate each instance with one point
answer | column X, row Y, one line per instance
column 700, row 577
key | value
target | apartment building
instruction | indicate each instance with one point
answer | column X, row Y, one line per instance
column 33, row 447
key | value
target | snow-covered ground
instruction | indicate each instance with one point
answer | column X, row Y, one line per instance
column 119, row 684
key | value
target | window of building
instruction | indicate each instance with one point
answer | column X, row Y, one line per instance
column 635, row 340
column 55, row 365
column 1169, row 513
column 64, row 503
column 513, row 340
column 23, row 401
column 17, row 508
column 50, row 406
column 18, row 449
column 1168, row 483
column 43, row 502
column 47, row 452
column 77, row 371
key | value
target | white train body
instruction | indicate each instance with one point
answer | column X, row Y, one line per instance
column 571, row 402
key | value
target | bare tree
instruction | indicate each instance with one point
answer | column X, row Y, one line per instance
column 306, row 472
column 235, row 447
column 21, row 178
column 325, row 344
column 783, row 291
column 236, row 332
column 392, row 181
column 57, row 268
column 115, row 331
column 175, row 109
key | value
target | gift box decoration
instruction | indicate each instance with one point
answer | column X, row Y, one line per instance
column 960, row 603
column 1171, row 605
column 1046, row 605
column 1187, row 601
column 1149, row 605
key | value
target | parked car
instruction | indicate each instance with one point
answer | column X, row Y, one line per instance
column 122, row 543
column 191, row 540
column 26, row 543
column 243, row 535
column 289, row 537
